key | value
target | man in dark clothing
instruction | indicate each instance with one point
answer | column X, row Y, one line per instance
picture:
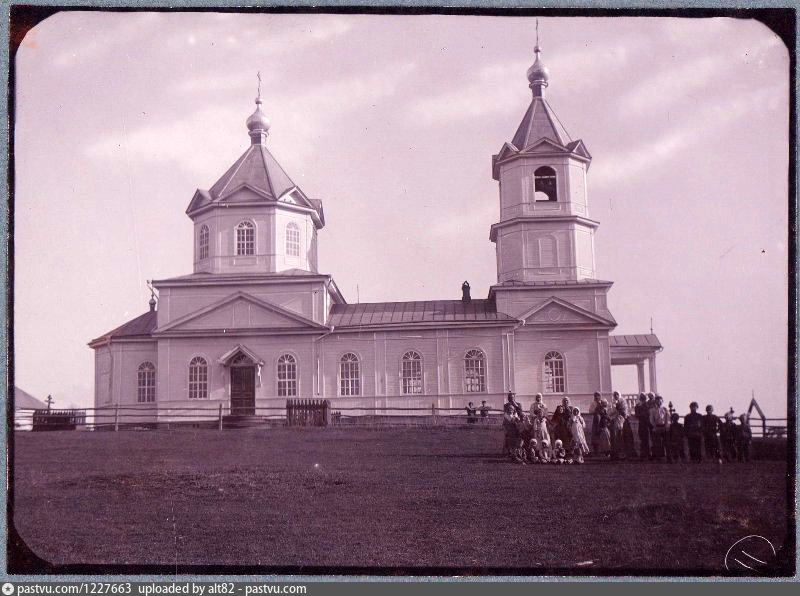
column 744, row 436
column 711, row 434
column 675, row 435
column 484, row 409
column 596, row 422
column 642, row 413
column 472, row 414
column 693, row 427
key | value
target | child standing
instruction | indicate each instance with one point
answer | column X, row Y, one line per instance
column 676, row 434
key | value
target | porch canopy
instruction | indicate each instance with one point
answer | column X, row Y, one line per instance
column 227, row 357
column 637, row 349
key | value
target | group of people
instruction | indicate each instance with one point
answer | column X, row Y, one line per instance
column 535, row 437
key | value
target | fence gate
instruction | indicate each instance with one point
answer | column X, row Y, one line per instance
column 308, row 412
column 58, row 419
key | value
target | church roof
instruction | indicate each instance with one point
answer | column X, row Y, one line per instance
column 430, row 311
column 24, row 400
column 258, row 169
column 646, row 340
column 205, row 275
column 140, row 327
column 540, row 122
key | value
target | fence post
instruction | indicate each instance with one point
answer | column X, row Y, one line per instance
column 220, row 417
column 763, row 427
column 116, row 417
column 433, row 412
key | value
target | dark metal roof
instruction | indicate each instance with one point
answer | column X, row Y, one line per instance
column 645, row 340
column 539, row 122
column 141, row 326
column 257, row 168
column 399, row 313
column 204, row 275
column 553, row 282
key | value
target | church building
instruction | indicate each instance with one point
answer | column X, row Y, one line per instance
column 257, row 323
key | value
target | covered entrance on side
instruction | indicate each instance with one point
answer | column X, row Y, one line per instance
column 244, row 368
column 635, row 350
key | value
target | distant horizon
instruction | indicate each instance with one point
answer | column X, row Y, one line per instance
column 121, row 116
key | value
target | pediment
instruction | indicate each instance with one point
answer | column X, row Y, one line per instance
column 545, row 145
column 556, row 311
column 201, row 198
column 246, row 193
column 295, row 196
column 239, row 311
column 507, row 150
column 579, row 148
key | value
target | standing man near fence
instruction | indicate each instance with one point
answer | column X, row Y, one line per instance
column 642, row 414
column 693, row 427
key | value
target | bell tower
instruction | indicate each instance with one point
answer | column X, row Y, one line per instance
column 544, row 232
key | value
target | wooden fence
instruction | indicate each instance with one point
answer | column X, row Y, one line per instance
column 295, row 413
column 308, row 412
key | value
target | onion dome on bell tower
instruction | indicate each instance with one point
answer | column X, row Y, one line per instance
column 258, row 123
column 538, row 74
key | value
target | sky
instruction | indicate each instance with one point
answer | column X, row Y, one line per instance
column 392, row 121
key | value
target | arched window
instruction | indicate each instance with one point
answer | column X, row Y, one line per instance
column 287, row 376
column 292, row 240
column 349, row 375
column 411, row 373
column 544, row 184
column 202, row 244
column 198, row 378
column 245, row 238
column 475, row 371
column 146, row 382
column 554, row 373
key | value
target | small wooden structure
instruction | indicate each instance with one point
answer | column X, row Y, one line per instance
column 308, row 412
column 58, row 419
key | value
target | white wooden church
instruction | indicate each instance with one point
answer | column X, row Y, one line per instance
column 257, row 323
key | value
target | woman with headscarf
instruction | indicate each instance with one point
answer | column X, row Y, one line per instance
column 579, row 446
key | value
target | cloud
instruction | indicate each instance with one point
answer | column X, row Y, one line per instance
column 671, row 85
column 497, row 88
column 223, row 124
column 702, row 121
column 117, row 32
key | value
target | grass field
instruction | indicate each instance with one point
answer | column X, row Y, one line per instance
column 411, row 498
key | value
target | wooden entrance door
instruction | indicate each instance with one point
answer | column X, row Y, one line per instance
column 243, row 390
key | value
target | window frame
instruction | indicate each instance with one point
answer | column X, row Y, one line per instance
column 245, row 244
column 198, row 386
column 203, row 243
column 146, row 382
column 294, row 380
column 482, row 380
column 357, row 379
column 549, row 376
column 293, row 239
column 414, row 382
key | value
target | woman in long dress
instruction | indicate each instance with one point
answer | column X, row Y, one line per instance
column 540, row 432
